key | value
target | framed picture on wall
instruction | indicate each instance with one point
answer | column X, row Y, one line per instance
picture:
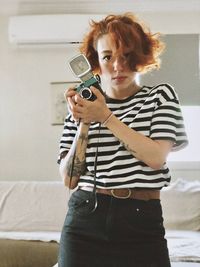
column 59, row 108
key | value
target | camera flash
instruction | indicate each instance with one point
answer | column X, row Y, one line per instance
column 80, row 65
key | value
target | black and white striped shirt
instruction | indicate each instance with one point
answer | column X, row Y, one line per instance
column 154, row 112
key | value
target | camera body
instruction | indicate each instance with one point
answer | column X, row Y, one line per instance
column 84, row 88
column 80, row 66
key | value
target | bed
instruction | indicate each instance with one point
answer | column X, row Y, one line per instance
column 181, row 210
column 32, row 214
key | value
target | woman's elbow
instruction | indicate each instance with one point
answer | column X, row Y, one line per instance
column 156, row 164
column 70, row 182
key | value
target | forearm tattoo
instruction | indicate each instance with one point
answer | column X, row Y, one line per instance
column 127, row 147
column 77, row 164
column 77, row 168
column 83, row 138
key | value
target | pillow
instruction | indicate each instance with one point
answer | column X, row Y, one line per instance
column 181, row 205
column 32, row 206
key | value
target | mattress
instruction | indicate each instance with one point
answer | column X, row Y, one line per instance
column 184, row 246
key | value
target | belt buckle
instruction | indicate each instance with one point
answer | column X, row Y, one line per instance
column 121, row 197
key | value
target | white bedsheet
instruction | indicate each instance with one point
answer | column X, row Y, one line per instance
column 183, row 245
column 41, row 236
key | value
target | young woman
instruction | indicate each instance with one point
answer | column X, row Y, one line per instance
column 117, row 153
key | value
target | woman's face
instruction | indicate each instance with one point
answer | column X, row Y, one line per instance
column 114, row 69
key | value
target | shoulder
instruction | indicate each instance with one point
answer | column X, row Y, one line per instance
column 68, row 118
column 162, row 93
column 69, row 122
column 164, row 90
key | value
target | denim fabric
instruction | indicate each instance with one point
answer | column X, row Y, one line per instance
column 118, row 233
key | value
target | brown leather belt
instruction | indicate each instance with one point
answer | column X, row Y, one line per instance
column 124, row 193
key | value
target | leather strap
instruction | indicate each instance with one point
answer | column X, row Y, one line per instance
column 125, row 193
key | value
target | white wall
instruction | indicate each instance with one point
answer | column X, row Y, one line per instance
column 28, row 141
column 173, row 22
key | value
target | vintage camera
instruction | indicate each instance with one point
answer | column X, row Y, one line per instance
column 80, row 66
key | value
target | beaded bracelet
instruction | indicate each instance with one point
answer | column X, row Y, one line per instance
column 106, row 121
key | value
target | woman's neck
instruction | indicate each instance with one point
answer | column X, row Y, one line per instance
column 123, row 93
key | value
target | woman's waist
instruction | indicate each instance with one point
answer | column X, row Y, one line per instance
column 125, row 193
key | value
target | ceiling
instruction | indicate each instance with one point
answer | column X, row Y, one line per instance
column 24, row 7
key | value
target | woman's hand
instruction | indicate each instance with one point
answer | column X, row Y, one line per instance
column 86, row 110
column 69, row 95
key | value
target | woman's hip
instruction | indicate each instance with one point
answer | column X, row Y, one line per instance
column 110, row 218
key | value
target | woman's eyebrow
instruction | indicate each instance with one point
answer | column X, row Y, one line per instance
column 106, row 51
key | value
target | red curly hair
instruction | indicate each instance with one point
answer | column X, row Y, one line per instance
column 127, row 33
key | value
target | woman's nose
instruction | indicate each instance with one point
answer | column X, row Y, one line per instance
column 118, row 64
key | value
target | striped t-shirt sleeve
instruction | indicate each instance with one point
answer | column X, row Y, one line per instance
column 167, row 121
column 67, row 138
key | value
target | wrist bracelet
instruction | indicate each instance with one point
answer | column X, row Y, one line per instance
column 106, row 121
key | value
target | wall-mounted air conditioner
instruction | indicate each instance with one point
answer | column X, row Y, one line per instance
column 49, row 29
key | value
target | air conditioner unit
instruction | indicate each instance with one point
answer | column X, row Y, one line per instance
column 49, row 29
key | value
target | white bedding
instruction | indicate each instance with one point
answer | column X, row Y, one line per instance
column 41, row 236
column 184, row 245
column 32, row 206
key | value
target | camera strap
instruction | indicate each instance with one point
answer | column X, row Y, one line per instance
column 95, row 171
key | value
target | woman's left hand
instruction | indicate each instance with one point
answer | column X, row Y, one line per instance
column 92, row 111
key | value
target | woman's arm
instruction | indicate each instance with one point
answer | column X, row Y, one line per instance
column 151, row 152
column 73, row 164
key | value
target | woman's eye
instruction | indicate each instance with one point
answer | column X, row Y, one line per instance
column 126, row 55
column 107, row 57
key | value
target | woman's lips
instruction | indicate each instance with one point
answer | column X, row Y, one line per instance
column 119, row 78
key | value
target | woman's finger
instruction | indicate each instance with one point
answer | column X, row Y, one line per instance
column 96, row 92
column 71, row 103
column 69, row 93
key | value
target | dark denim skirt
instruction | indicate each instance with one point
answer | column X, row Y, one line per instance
column 117, row 233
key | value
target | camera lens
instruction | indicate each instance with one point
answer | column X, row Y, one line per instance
column 86, row 93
